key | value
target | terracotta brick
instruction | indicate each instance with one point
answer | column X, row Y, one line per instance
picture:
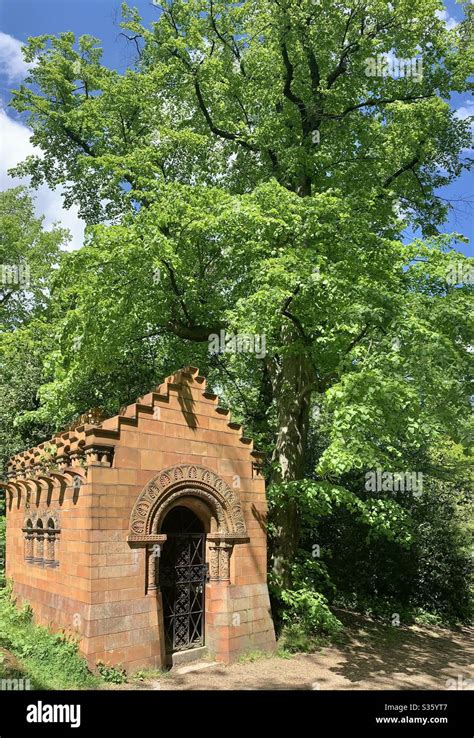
column 127, row 458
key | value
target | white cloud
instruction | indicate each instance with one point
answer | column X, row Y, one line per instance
column 15, row 146
column 12, row 64
column 465, row 111
column 448, row 20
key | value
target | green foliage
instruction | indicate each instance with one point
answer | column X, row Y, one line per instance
column 427, row 618
column 2, row 544
column 316, row 499
column 426, row 565
column 143, row 675
column 297, row 638
column 310, row 610
column 111, row 674
column 212, row 205
column 227, row 93
column 25, row 330
column 27, row 246
column 50, row 660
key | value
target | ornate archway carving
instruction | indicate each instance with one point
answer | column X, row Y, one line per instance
column 168, row 487
column 186, row 480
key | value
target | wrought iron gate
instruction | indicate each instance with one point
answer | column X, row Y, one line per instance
column 183, row 575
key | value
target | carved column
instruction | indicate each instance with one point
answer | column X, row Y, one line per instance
column 39, row 547
column 152, row 552
column 214, row 561
column 50, row 541
column 225, row 550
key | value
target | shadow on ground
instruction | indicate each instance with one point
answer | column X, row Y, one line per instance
column 414, row 656
column 370, row 655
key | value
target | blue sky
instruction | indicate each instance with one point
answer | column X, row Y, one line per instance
column 22, row 18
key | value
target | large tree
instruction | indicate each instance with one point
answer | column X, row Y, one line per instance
column 29, row 253
column 252, row 174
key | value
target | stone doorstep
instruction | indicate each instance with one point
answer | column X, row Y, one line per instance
column 190, row 656
column 195, row 666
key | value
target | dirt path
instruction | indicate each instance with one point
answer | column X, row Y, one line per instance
column 371, row 656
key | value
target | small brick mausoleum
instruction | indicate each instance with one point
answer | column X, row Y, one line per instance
column 145, row 534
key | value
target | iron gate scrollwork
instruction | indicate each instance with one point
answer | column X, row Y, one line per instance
column 183, row 575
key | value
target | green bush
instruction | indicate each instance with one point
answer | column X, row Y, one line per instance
column 310, row 611
column 295, row 638
column 50, row 660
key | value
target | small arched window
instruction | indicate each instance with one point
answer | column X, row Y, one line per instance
column 41, row 540
column 51, row 537
column 29, row 537
column 39, row 544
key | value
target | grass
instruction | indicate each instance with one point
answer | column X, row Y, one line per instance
column 49, row 660
column 250, row 656
column 147, row 675
column 295, row 638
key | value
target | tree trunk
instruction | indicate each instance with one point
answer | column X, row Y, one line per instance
column 291, row 377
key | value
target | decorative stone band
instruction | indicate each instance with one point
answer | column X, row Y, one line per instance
column 20, row 485
column 147, row 539
column 183, row 480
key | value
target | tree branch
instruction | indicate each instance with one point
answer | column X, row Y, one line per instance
column 294, row 319
column 135, row 40
column 288, row 92
column 197, row 333
column 372, row 102
column 402, row 170
column 213, row 127
column 233, row 47
column 177, row 291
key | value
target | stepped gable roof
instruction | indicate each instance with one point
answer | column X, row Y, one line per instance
column 68, row 449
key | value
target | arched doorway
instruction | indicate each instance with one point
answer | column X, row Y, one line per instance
column 211, row 519
column 182, row 577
